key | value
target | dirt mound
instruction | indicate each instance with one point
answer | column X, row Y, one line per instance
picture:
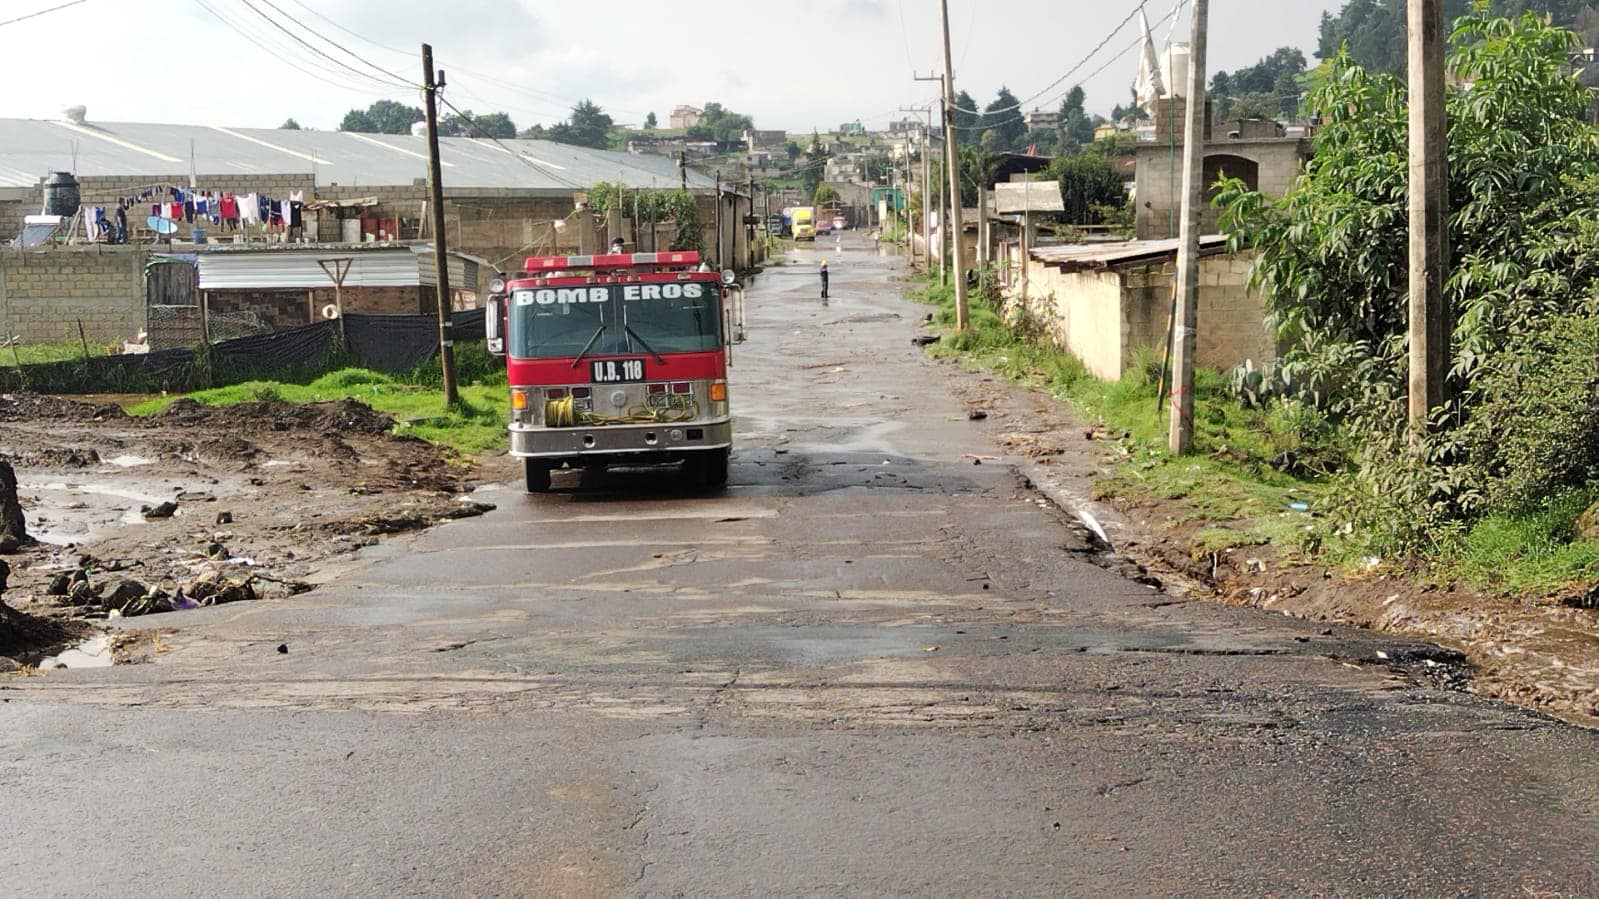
column 38, row 407
column 344, row 416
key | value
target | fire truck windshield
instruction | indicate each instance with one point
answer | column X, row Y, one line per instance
column 599, row 320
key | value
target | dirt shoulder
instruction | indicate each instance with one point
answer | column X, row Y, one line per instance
column 1541, row 655
column 201, row 505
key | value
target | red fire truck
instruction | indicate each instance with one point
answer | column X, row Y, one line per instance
column 615, row 360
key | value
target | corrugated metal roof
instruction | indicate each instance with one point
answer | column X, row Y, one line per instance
column 298, row 269
column 31, row 148
column 1108, row 255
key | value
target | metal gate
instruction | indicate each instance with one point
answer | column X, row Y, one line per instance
column 172, row 305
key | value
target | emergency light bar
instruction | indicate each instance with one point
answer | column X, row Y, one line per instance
column 612, row 260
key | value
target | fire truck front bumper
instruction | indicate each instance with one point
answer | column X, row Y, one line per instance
column 618, row 440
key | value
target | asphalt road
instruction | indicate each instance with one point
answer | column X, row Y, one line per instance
column 869, row 667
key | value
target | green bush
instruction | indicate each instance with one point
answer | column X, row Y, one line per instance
column 1536, row 433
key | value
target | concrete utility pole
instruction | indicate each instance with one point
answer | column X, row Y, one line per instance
column 1429, row 209
column 962, row 314
column 1183, row 343
column 441, row 261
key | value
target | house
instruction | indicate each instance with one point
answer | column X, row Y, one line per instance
column 1104, row 131
column 1263, row 154
column 1110, row 303
column 764, row 141
column 1040, row 119
column 684, row 118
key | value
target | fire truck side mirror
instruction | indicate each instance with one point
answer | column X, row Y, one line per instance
column 494, row 325
column 729, row 276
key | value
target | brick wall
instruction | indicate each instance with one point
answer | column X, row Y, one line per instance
column 45, row 293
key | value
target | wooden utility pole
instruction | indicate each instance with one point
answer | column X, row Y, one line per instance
column 1183, row 343
column 441, row 262
column 962, row 314
column 1429, row 209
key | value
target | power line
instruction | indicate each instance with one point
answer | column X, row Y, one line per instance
column 1069, row 72
column 472, row 123
column 1108, row 63
column 358, row 57
column 281, row 50
column 532, row 93
column 35, row 15
column 301, row 41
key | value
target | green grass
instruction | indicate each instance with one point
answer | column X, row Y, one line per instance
column 52, row 352
column 1230, row 487
column 475, row 425
column 1528, row 555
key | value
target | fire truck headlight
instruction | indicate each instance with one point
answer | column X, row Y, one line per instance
column 718, row 391
column 497, row 284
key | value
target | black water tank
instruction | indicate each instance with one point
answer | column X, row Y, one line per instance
column 61, row 195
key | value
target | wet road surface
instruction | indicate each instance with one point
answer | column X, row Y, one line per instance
column 869, row 667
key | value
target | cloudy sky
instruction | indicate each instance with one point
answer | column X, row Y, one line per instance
column 792, row 65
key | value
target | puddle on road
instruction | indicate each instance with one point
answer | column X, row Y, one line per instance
column 69, row 513
column 92, row 652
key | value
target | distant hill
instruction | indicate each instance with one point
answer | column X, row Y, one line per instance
column 1374, row 30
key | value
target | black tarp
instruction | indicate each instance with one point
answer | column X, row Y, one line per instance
column 388, row 343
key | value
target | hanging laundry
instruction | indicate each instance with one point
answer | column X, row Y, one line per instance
column 249, row 208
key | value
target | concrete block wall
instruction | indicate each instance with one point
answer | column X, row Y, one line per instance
column 1159, row 185
column 1107, row 318
column 45, row 293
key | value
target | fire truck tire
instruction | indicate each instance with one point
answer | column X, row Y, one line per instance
column 538, row 475
column 713, row 467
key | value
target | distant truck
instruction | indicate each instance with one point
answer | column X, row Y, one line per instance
column 804, row 223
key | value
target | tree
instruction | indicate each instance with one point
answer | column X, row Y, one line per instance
column 876, row 167
column 1076, row 128
column 358, row 120
column 1268, row 89
column 492, row 124
column 824, row 195
column 794, row 150
column 720, row 124
column 382, row 117
column 967, row 116
column 650, row 122
column 289, row 125
column 815, row 165
column 588, row 126
column 1089, row 182
column 1332, row 265
column 1003, row 119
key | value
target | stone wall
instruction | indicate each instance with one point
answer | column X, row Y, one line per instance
column 45, row 293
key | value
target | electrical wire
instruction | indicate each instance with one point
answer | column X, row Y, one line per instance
column 314, row 49
column 1069, row 72
column 308, row 65
column 358, row 57
column 541, row 169
column 532, row 93
column 35, row 15
column 1090, row 76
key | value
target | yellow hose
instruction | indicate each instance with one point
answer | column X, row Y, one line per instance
column 563, row 413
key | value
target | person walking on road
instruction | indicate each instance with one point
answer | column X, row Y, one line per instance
column 824, row 279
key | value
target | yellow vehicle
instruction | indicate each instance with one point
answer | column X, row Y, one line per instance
column 804, row 225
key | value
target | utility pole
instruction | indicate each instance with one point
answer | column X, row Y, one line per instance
column 1429, row 208
column 962, row 314
column 1183, row 343
column 440, row 260
column 719, row 264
